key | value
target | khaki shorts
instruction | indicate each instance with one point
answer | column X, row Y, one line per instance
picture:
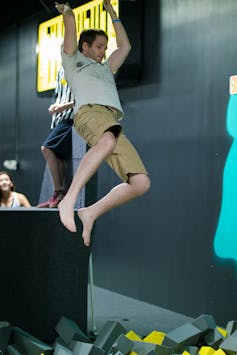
column 92, row 121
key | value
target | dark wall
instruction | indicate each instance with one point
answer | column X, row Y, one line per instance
column 25, row 120
column 44, row 273
column 158, row 248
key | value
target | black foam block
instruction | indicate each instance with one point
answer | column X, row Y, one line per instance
column 13, row 349
column 182, row 336
column 62, row 350
column 109, row 334
column 214, row 338
column 231, row 326
column 68, row 330
column 80, row 348
column 122, row 344
column 205, row 322
column 29, row 344
column 5, row 332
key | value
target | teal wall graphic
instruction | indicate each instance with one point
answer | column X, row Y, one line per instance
column 225, row 242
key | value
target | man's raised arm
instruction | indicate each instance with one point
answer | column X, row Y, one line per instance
column 70, row 34
column 117, row 58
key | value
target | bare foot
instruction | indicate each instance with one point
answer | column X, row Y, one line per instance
column 66, row 214
column 88, row 222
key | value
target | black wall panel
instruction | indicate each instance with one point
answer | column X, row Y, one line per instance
column 44, row 272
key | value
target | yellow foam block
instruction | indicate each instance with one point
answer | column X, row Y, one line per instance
column 207, row 350
column 132, row 353
column 220, row 352
column 222, row 331
column 185, row 352
column 155, row 337
column 133, row 336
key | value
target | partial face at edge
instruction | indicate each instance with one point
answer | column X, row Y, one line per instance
column 5, row 183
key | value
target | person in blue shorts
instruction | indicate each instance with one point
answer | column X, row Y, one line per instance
column 57, row 148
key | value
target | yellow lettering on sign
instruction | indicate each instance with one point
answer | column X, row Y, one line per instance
column 50, row 37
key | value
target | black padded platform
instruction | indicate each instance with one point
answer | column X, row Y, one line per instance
column 43, row 271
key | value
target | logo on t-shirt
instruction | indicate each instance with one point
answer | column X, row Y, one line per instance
column 79, row 64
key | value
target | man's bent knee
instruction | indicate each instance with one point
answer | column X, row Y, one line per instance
column 108, row 141
column 141, row 182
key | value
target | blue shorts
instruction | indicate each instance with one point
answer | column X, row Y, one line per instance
column 60, row 139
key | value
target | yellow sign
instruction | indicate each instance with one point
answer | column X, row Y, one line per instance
column 50, row 37
column 233, row 84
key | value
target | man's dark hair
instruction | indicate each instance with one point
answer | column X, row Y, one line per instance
column 89, row 37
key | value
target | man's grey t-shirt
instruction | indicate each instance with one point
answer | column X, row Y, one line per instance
column 91, row 82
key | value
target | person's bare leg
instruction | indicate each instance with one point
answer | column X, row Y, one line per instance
column 88, row 166
column 136, row 186
column 55, row 167
column 61, row 172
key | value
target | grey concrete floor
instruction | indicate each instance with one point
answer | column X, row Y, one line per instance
column 141, row 317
